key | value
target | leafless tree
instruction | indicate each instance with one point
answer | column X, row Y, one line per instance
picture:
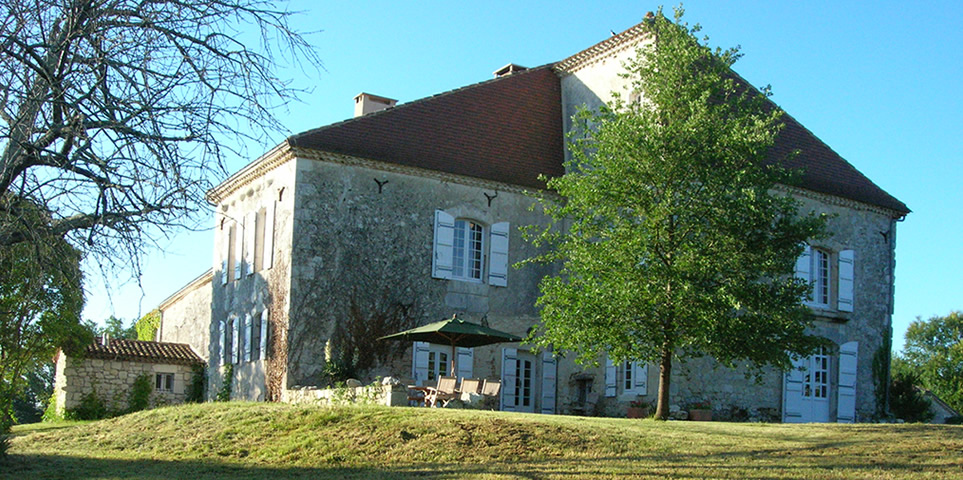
column 117, row 115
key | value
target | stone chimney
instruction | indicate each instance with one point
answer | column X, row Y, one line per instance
column 365, row 103
column 508, row 70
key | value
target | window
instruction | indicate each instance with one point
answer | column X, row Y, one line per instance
column 467, row 250
column 627, row 384
column 437, row 365
column 464, row 249
column 431, row 360
column 164, row 382
column 833, row 284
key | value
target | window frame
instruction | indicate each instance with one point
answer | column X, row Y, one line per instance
column 465, row 227
column 164, row 382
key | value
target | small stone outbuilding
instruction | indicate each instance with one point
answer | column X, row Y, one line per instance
column 109, row 367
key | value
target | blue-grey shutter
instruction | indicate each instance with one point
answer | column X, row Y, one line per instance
column 509, row 399
column 250, row 232
column 549, row 371
column 248, row 333
column 238, row 249
column 464, row 363
column 610, row 377
column 264, row 329
column 792, row 391
column 223, row 328
column 267, row 260
column 498, row 258
column 442, row 262
column 640, row 375
column 847, row 264
column 804, row 265
column 225, row 253
column 235, row 350
column 419, row 362
column 846, row 400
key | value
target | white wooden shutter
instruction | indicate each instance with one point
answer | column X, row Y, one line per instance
column 267, row 251
column 264, row 329
column 248, row 332
column 225, row 252
column 847, row 264
column 846, row 401
column 610, row 377
column 804, row 265
column 498, row 258
column 238, row 249
column 464, row 363
column 442, row 262
column 640, row 374
column 223, row 327
column 235, row 351
column 549, row 370
column 250, row 232
column 792, row 391
column 419, row 362
column 509, row 378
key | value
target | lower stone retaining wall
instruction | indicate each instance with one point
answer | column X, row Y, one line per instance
column 388, row 395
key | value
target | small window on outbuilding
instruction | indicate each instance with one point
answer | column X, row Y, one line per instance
column 164, row 382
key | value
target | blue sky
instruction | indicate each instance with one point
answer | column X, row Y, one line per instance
column 879, row 82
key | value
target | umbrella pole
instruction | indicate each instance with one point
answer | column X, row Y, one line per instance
column 453, row 359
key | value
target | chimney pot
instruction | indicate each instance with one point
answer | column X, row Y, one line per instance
column 365, row 103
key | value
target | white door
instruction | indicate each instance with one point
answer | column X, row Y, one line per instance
column 806, row 390
column 524, row 382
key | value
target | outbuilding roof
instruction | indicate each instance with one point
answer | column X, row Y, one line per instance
column 142, row 351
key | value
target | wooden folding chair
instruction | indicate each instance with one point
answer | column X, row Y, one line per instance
column 444, row 392
column 491, row 387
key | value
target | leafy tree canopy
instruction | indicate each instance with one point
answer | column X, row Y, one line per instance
column 147, row 325
column 41, row 297
column 934, row 350
column 670, row 235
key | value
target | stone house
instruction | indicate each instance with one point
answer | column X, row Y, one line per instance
column 109, row 367
column 408, row 213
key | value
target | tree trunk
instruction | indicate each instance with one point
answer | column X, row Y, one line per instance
column 665, row 372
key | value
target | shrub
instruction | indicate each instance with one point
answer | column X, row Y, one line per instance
column 139, row 397
column 906, row 401
column 50, row 413
column 91, row 407
column 224, row 394
column 195, row 391
column 4, row 446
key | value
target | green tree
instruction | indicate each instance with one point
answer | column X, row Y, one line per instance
column 670, row 236
column 114, row 328
column 147, row 325
column 41, row 296
column 934, row 349
column 906, row 401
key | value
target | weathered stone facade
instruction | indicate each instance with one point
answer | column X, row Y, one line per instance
column 318, row 251
column 186, row 316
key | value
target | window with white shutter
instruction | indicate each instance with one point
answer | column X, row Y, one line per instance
column 225, row 251
column 464, row 249
column 847, row 264
column 610, row 379
column 235, row 346
column 498, row 258
column 248, row 331
column 441, row 262
column 238, row 235
column 265, row 319
column 267, row 260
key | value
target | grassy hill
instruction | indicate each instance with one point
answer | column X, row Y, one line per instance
column 258, row 440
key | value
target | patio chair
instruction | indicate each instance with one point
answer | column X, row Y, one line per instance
column 444, row 392
column 491, row 387
column 470, row 387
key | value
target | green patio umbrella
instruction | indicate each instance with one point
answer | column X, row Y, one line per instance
column 457, row 333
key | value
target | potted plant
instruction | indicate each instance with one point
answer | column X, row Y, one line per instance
column 638, row 409
column 700, row 411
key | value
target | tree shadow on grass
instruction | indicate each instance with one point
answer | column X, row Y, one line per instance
column 751, row 464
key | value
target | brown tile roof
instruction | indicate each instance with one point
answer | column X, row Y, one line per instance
column 143, row 351
column 508, row 129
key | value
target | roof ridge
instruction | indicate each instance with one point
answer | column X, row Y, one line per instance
column 572, row 61
column 418, row 101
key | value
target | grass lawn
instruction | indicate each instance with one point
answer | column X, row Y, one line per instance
column 274, row 441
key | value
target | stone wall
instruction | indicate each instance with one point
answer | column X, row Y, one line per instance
column 361, row 251
column 186, row 316
column 112, row 380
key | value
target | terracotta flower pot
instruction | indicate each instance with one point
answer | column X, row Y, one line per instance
column 637, row 412
column 700, row 415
